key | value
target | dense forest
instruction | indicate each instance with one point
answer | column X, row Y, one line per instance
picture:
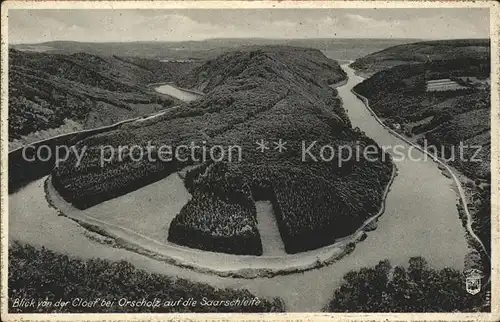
column 47, row 90
column 268, row 93
column 414, row 288
column 32, row 269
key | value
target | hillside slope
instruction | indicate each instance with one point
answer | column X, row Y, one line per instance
column 444, row 118
column 47, row 91
column 420, row 52
column 271, row 93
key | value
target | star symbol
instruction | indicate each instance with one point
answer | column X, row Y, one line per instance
column 280, row 145
column 262, row 145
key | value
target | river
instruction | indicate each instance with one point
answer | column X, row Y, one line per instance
column 420, row 220
column 177, row 93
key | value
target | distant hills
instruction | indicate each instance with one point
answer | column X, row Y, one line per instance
column 270, row 93
column 313, row 67
column 347, row 49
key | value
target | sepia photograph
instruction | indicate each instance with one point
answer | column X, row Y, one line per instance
column 250, row 157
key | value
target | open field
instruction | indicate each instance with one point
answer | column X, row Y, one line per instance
column 456, row 112
column 419, row 189
column 400, row 95
column 422, row 52
column 147, row 211
column 332, row 161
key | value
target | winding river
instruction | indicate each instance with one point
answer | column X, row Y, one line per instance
column 420, row 219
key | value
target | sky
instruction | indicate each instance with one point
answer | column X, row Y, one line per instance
column 87, row 25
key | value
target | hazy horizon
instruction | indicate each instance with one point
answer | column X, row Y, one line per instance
column 226, row 39
column 182, row 25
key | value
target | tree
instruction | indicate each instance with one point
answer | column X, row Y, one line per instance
column 416, row 289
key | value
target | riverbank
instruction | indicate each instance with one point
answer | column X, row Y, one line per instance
column 114, row 125
column 361, row 73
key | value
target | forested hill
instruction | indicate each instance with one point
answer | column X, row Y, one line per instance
column 305, row 70
column 441, row 115
column 424, row 51
column 437, row 90
column 267, row 94
column 306, row 64
column 47, row 90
